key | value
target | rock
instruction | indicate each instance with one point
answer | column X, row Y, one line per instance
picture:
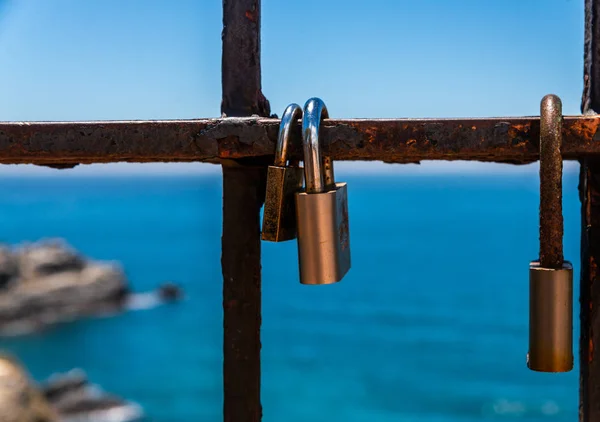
column 73, row 398
column 51, row 283
column 60, row 386
column 170, row 292
column 48, row 258
column 20, row 400
column 9, row 269
column 63, row 398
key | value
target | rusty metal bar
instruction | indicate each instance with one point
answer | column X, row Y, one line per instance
column 589, row 191
column 243, row 195
column 510, row 139
column 551, row 218
column 589, row 353
column 240, row 66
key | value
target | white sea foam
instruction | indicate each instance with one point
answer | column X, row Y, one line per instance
column 142, row 301
column 126, row 413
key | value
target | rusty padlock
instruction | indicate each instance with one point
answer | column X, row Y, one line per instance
column 279, row 215
column 321, row 209
column 550, row 278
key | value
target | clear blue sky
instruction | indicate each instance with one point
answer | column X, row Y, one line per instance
column 150, row 59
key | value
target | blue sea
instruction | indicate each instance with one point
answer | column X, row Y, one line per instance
column 430, row 324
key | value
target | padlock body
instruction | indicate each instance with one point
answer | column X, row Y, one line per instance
column 279, row 215
column 323, row 235
column 550, row 318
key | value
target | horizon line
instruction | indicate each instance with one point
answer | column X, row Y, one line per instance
column 346, row 167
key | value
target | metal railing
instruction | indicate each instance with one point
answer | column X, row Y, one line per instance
column 243, row 142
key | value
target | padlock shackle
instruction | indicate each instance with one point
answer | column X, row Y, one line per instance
column 551, row 218
column 292, row 113
column 316, row 179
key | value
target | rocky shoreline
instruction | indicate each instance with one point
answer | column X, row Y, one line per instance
column 66, row 397
column 46, row 283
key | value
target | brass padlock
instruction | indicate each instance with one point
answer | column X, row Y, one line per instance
column 550, row 278
column 321, row 209
column 279, row 215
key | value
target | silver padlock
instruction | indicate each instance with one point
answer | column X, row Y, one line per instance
column 550, row 278
column 321, row 209
column 279, row 215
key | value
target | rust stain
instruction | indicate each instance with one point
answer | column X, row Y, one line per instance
column 586, row 128
column 371, row 132
column 251, row 15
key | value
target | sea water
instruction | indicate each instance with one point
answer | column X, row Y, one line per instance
column 430, row 324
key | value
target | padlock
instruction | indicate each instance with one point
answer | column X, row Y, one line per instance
column 279, row 215
column 551, row 277
column 321, row 209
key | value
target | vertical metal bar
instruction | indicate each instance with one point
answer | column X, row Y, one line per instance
column 243, row 196
column 589, row 341
column 589, row 191
column 240, row 65
column 551, row 217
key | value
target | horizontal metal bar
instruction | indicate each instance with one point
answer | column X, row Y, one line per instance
column 511, row 140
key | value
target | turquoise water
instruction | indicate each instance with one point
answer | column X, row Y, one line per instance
column 429, row 325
